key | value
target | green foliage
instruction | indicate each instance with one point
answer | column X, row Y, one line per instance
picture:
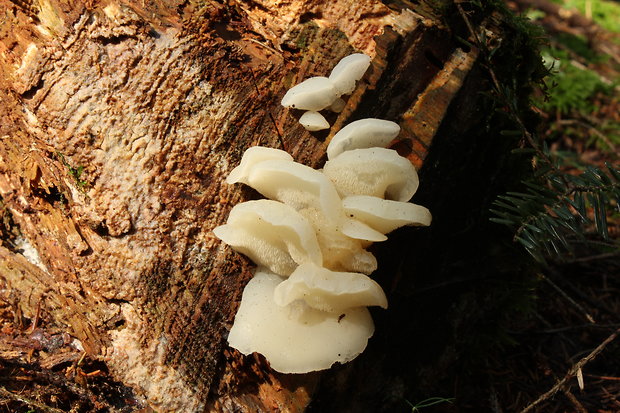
column 573, row 87
column 556, row 209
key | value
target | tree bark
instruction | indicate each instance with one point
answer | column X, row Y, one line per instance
column 119, row 124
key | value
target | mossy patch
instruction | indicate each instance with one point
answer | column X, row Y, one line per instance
column 573, row 87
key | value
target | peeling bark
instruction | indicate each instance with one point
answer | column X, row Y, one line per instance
column 119, row 123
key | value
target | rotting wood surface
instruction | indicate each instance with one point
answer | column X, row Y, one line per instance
column 119, row 123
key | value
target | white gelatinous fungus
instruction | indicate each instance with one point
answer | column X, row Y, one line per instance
column 313, row 121
column 337, row 106
column 251, row 157
column 363, row 133
column 314, row 196
column 340, row 252
column 329, row 291
column 375, row 172
column 385, row 215
column 349, row 70
column 318, row 316
column 358, row 229
column 271, row 234
column 297, row 185
column 296, row 338
column 315, row 93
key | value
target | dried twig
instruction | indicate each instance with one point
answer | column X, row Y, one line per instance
column 594, row 376
column 559, row 385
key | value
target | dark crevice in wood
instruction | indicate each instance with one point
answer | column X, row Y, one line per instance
column 9, row 229
column 102, row 229
column 29, row 94
column 113, row 40
column 430, row 56
column 375, row 15
column 51, row 195
column 308, row 16
column 223, row 30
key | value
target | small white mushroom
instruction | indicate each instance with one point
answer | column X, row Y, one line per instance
column 315, row 93
column 363, row 133
column 376, row 172
column 296, row 338
column 313, row 121
column 251, row 157
column 271, row 234
column 385, row 215
column 297, row 185
column 349, row 70
column 329, row 291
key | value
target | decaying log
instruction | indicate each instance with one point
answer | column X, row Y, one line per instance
column 119, row 123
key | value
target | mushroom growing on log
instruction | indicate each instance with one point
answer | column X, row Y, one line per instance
column 119, row 124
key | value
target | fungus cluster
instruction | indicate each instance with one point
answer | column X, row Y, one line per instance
column 318, row 93
column 306, row 306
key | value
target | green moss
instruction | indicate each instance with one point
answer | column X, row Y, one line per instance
column 573, row 88
column 75, row 172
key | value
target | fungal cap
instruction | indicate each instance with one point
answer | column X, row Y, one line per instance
column 296, row 338
column 297, row 185
column 375, row 172
column 313, row 121
column 250, row 244
column 384, row 215
column 251, row 157
column 329, row 291
column 363, row 133
column 349, row 70
column 272, row 234
column 358, row 229
column 341, row 252
column 315, row 93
